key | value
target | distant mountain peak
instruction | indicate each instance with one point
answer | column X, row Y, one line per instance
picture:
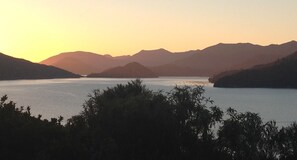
column 236, row 44
column 293, row 42
column 162, row 49
column 231, row 46
column 79, row 52
column 107, row 55
column 134, row 65
column 155, row 51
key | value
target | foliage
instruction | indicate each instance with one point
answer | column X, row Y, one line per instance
column 132, row 122
column 23, row 136
column 240, row 135
column 288, row 142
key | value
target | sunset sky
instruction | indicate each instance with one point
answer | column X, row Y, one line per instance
column 38, row 29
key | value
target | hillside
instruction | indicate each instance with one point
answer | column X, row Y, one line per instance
column 279, row 74
column 82, row 63
column 225, row 57
column 13, row 69
column 131, row 70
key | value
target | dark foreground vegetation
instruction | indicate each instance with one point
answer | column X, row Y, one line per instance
column 131, row 122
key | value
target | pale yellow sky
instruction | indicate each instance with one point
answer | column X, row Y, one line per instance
column 38, row 29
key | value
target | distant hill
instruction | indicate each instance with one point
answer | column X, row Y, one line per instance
column 83, row 63
column 279, row 74
column 14, row 68
column 225, row 57
column 131, row 70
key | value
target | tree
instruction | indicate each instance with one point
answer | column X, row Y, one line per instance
column 269, row 147
column 196, row 117
column 23, row 136
column 129, row 122
column 240, row 135
column 192, row 110
column 288, row 142
column 132, row 122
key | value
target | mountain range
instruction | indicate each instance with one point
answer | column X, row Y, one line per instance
column 207, row 62
column 85, row 63
column 226, row 57
column 220, row 60
column 279, row 74
column 13, row 68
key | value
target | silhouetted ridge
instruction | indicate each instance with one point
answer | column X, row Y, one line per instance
column 14, row 68
column 291, row 43
column 130, row 70
column 207, row 62
column 157, row 51
column 279, row 74
column 225, row 57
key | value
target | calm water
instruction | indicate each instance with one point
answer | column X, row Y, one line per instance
column 65, row 97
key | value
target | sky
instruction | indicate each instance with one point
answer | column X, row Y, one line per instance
column 37, row 29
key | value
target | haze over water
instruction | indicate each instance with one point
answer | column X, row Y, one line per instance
column 55, row 97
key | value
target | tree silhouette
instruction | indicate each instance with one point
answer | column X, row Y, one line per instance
column 240, row 135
